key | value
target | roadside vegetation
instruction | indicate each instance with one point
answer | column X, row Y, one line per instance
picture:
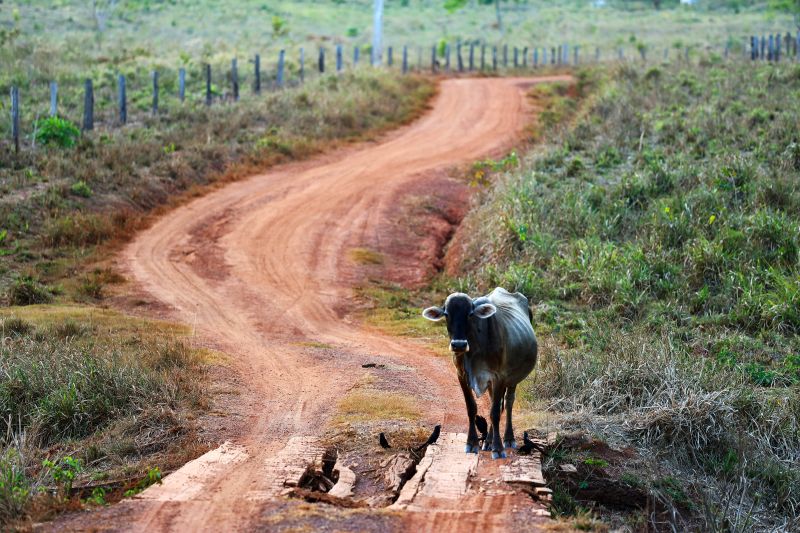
column 94, row 406
column 658, row 238
column 73, row 193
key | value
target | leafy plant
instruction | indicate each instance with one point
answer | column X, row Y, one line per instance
column 63, row 473
column 80, row 188
column 279, row 26
column 57, row 131
column 153, row 476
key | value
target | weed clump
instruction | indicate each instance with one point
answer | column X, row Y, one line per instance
column 26, row 290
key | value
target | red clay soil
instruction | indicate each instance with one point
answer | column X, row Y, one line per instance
column 262, row 268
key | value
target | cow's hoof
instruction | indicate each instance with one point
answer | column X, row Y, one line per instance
column 510, row 444
column 472, row 448
column 498, row 455
column 487, row 447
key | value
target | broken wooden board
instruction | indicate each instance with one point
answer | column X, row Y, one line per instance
column 443, row 473
column 287, row 467
column 524, row 469
column 191, row 482
column 345, row 483
column 453, row 491
column 397, row 470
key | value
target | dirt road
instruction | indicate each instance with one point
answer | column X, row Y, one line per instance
column 261, row 269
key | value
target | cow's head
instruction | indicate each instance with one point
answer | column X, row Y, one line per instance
column 459, row 309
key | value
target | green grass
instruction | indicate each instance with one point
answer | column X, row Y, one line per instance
column 93, row 390
column 658, row 237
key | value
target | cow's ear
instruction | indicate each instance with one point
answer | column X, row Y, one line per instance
column 484, row 310
column 433, row 313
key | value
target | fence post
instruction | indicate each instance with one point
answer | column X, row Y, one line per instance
column 777, row 47
column 419, row 59
column 788, row 42
column 447, row 57
column 302, row 65
column 565, row 51
column 257, row 72
column 389, row 56
column 208, row 84
column 155, row 92
column 281, row 61
column 494, row 58
column 53, row 98
column 182, row 84
column 405, row 59
column 88, row 106
column 483, row 57
column 15, row 117
column 575, row 54
column 471, row 56
column 235, row 78
column 458, row 57
column 356, row 54
column 596, row 54
column 553, row 55
column 122, row 100
column 643, row 52
column 560, row 54
column 516, row 57
column 321, row 60
column 763, row 43
column 338, row 58
column 525, row 57
column 505, row 55
column 536, row 57
column 544, row 55
column 433, row 58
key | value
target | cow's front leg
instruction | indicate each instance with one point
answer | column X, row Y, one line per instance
column 473, row 443
column 497, row 407
column 508, row 437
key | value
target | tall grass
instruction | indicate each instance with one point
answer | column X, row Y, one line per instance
column 659, row 237
column 109, row 396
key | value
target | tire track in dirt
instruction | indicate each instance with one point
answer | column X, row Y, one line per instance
column 258, row 268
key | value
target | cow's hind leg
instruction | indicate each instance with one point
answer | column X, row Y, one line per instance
column 473, row 443
column 498, row 392
column 508, row 437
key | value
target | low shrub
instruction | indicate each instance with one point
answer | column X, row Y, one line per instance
column 28, row 291
column 56, row 131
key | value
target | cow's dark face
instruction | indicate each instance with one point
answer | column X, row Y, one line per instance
column 459, row 309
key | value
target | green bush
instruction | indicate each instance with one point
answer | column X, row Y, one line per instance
column 79, row 188
column 28, row 291
column 56, row 131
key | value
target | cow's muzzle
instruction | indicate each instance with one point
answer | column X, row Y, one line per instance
column 459, row 346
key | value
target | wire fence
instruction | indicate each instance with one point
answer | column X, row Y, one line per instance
column 111, row 101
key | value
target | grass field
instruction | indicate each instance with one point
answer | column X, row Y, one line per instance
column 91, row 397
column 658, row 237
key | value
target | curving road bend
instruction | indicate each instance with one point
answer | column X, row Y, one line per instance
column 260, row 266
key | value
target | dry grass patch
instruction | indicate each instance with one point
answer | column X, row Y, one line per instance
column 365, row 256
column 367, row 404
